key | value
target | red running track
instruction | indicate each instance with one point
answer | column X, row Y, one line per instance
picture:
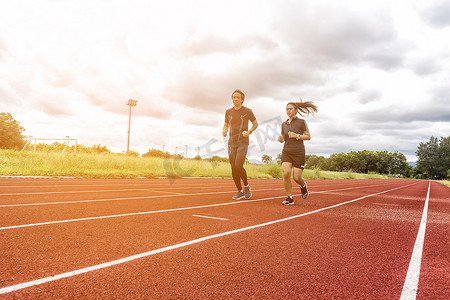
column 155, row 238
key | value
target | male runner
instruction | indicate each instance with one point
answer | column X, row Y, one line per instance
column 237, row 118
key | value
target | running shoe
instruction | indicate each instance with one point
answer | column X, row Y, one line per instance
column 304, row 191
column 247, row 192
column 288, row 201
column 239, row 195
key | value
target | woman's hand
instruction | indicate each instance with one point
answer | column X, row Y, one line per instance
column 292, row 135
column 281, row 139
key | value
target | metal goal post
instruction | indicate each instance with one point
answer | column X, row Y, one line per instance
column 67, row 142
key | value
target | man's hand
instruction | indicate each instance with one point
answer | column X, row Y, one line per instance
column 225, row 129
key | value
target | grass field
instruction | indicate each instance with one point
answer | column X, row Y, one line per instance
column 15, row 163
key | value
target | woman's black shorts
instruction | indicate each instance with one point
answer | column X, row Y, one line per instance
column 294, row 156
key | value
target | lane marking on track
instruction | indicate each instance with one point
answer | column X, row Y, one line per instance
column 173, row 194
column 121, row 199
column 153, row 197
column 412, row 276
column 98, row 191
column 149, row 185
column 208, row 217
column 147, row 188
column 164, row 192
column 73, row 192
column 20, row 286
column 159, row 211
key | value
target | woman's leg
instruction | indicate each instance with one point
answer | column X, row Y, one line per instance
column 287, row 170
column 298, row 176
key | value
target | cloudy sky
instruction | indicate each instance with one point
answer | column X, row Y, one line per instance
column 379, row 71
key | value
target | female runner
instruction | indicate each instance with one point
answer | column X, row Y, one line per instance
column 293, row 132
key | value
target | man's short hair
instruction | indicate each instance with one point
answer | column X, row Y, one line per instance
column 240, row 92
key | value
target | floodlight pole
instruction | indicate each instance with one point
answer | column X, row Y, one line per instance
column 130, row 104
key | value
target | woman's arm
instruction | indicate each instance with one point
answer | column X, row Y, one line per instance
column 306, row 136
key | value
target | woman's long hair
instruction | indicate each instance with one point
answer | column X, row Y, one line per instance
column 306, row 107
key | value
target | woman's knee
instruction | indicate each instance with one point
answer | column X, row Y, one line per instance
column 299, row 179
column 298, row 175
column 286, row 175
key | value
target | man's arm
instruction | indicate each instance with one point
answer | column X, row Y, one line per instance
column 225, row 129
column 254, row 126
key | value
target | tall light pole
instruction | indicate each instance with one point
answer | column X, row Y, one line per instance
column 186, row 152
column 130, row 104
column 163, row 148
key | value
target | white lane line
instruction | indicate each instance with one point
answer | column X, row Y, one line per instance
column 97, row 191
column 208, row 217
column 164, row 196
column 73, row 192
column 120, row 199
column 136, row 214
column 153, row 184
column 157, row 211
column 20, row 286
column 412, row 276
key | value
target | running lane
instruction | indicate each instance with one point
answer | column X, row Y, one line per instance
column 434, row 282
column 357, row 250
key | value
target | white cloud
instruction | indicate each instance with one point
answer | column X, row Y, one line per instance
column 378, row 71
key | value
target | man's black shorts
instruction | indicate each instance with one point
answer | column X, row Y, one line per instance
column 294, row 156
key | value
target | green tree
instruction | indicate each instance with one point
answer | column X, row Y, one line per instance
column 156, row 153
column 339, row 162
column 428, row 157
column 362, row 161
column 217, row 158
column 278, row 159
column 99, row 149
column 384, row 162
column 399, row 164
column 10, row 132
column 314, row 161
column 266, row 159
column 433, row 158
column 444, row 157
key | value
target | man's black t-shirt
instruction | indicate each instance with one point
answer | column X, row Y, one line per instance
column 238, row 120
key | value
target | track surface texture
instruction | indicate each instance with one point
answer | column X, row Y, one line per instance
column 188, row 239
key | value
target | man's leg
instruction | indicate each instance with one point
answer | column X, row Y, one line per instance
column 239, row 162
column 232, row 151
